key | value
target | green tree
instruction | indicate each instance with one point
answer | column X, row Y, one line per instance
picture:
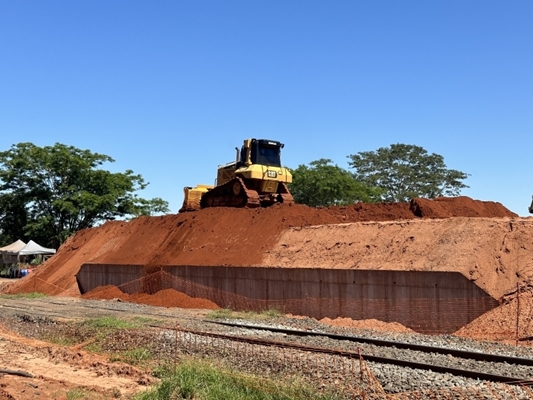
column 323, row 184
column 406, row 171
column 48, row 193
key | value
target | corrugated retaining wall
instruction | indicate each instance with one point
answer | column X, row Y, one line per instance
column 428, row 302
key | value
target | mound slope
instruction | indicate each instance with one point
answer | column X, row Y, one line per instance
column 496, row 253
column 221, row 236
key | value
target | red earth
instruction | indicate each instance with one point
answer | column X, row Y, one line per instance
column 220, row 236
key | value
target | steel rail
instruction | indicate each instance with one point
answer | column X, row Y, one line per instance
column 367, row 357
column 471, row 355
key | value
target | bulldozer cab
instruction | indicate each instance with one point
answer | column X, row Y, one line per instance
column 260, row 151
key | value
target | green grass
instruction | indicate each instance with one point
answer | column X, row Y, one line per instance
column 100, row 328
column 139, row 356
column 143, row 321
column 226, row 313
column 108, row 322
column 33, row 295
column 200, row 380
column 272, row 313
column 221, row 313
column 61, row 340
column 95, row 347
column 78, row 394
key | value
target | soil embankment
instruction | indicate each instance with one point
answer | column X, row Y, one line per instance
column 244, row 237
column 496, row 253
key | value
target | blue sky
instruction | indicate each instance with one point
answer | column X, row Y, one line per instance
column 170, row 88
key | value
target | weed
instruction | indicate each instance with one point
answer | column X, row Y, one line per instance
column 271, row 313
column 147, row 321
column 94, row 347
column 61, row 340
column 203, row 380
column 137, row 356
column 32, row 295
column 108, row 322
column 78, row 393
column 226, row 313
column 221, row 313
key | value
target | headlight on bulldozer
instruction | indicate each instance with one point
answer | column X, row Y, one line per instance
column 272, row 174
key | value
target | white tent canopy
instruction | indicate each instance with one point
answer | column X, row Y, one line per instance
column 32, row 248
column 15, row 246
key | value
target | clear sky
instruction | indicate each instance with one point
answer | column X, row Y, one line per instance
column 170, row 88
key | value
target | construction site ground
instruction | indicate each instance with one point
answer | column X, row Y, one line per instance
column 58, row 369
column 30, row 328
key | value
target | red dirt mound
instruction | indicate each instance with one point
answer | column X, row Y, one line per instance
column 172, row 298
column 373, row 324
column 446, row 207
column 508, row 322
column 107, row 292
column 162, row 298
column 213, row 236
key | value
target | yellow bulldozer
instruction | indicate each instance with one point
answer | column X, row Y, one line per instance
column 255, row 179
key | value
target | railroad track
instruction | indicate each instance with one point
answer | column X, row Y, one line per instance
column 468, row 373
column 312, row 352
column 526, row 379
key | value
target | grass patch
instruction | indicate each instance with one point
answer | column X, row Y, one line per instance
column 61, row 340
column 108, row 322
column 33, row 295
column 144, row 321
column 94, row 347
column 227, row 313
column 100, row 329
column 272, row 313
column 79, row 393
column 200, row 380
column 221, row 313
column 139, row 356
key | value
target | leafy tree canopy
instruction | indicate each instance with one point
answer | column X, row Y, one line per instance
column 323, row 184
column 48, row 193
column 406, row 171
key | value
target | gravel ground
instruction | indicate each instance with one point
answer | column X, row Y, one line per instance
column 395, row 379
column 41, row 318
column 447, row 342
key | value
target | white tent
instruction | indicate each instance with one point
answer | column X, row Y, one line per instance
column 6, row 253
column 20, row 252
column 31, row 249
column 15, row 246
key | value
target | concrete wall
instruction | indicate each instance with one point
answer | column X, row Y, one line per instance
column 430, row 302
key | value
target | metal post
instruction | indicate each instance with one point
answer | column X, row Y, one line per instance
column 517, row 311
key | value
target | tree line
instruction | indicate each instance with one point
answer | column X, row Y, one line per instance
column 48, row 193
column 389, row 174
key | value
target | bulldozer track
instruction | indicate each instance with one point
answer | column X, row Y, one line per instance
column 235, row 193
column 231, row 194
column 286, row 196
